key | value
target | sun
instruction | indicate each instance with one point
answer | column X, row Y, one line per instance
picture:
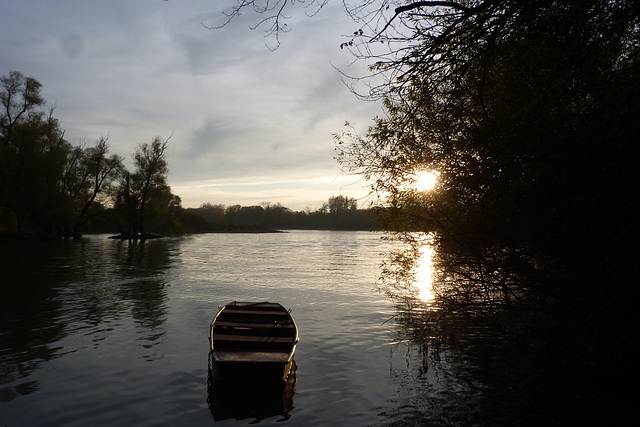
column 425, row 181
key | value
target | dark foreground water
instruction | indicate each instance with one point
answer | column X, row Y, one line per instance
column 98, row 332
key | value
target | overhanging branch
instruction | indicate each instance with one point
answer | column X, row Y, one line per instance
column 417, row 5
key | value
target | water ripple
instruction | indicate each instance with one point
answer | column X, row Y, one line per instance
column 99, row 333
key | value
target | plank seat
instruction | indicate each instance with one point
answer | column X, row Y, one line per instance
column 247, row 338
column 252, row 356
column 247, row 343
column 226, row 324
column 254, row 306
column 257, row 313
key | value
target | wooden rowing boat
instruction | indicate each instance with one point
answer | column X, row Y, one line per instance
column 252, row 340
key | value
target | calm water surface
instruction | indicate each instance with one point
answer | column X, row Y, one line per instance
column 97, row 332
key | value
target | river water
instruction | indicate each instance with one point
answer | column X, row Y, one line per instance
column 100, row 332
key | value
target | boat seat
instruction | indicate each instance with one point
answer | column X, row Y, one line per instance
column 256, row 313
column 225, row 337
column 252, row 356
column 252, row 343
column 286, row 325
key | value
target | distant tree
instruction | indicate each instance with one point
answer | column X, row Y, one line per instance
column 277, row 215
column 252, row 215
column 144, row 198
column 214, row 214
column 232, row 214
column 341, row 204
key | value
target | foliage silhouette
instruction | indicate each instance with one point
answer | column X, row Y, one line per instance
column 49, row 188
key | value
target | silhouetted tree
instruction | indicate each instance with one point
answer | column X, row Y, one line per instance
column 33, row 156
column 251, row 215
column 527, row 110
column 341, row 204
column 276, row 215
column 50, row 188
column 214, row 214
column 143, row 197
column 269, row 217
column 89, row 182
column 20, row 97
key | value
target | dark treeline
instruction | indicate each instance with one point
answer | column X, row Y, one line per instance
column 263, row 218
column 266, row 217
column 339, row 213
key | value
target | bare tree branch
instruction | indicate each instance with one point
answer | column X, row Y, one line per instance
column 273, row 12
column 418, row 5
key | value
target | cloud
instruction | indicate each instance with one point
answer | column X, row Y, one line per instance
column 247, row 123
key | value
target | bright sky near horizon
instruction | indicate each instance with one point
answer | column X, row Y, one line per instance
column 248, row 124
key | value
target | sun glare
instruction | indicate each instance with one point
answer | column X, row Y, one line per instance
column 425, row 181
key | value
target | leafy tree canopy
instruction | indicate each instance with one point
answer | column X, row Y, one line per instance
column 49, row 188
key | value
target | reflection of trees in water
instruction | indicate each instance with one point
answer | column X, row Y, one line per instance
column 113, row 278
column 52, row 290
column 146, row 261
column 30, row 309
column 486, row 326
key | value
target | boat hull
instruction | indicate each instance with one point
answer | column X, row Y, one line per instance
column 234, row 371
column 253, row 341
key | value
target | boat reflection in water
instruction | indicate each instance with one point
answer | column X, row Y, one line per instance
column 245, row 399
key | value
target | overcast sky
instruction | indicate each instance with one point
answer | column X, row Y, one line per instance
column 249, row 125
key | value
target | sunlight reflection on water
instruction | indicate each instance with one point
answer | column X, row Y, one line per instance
column 423, row 272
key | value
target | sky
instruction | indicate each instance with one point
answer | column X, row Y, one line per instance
column 248, row 124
